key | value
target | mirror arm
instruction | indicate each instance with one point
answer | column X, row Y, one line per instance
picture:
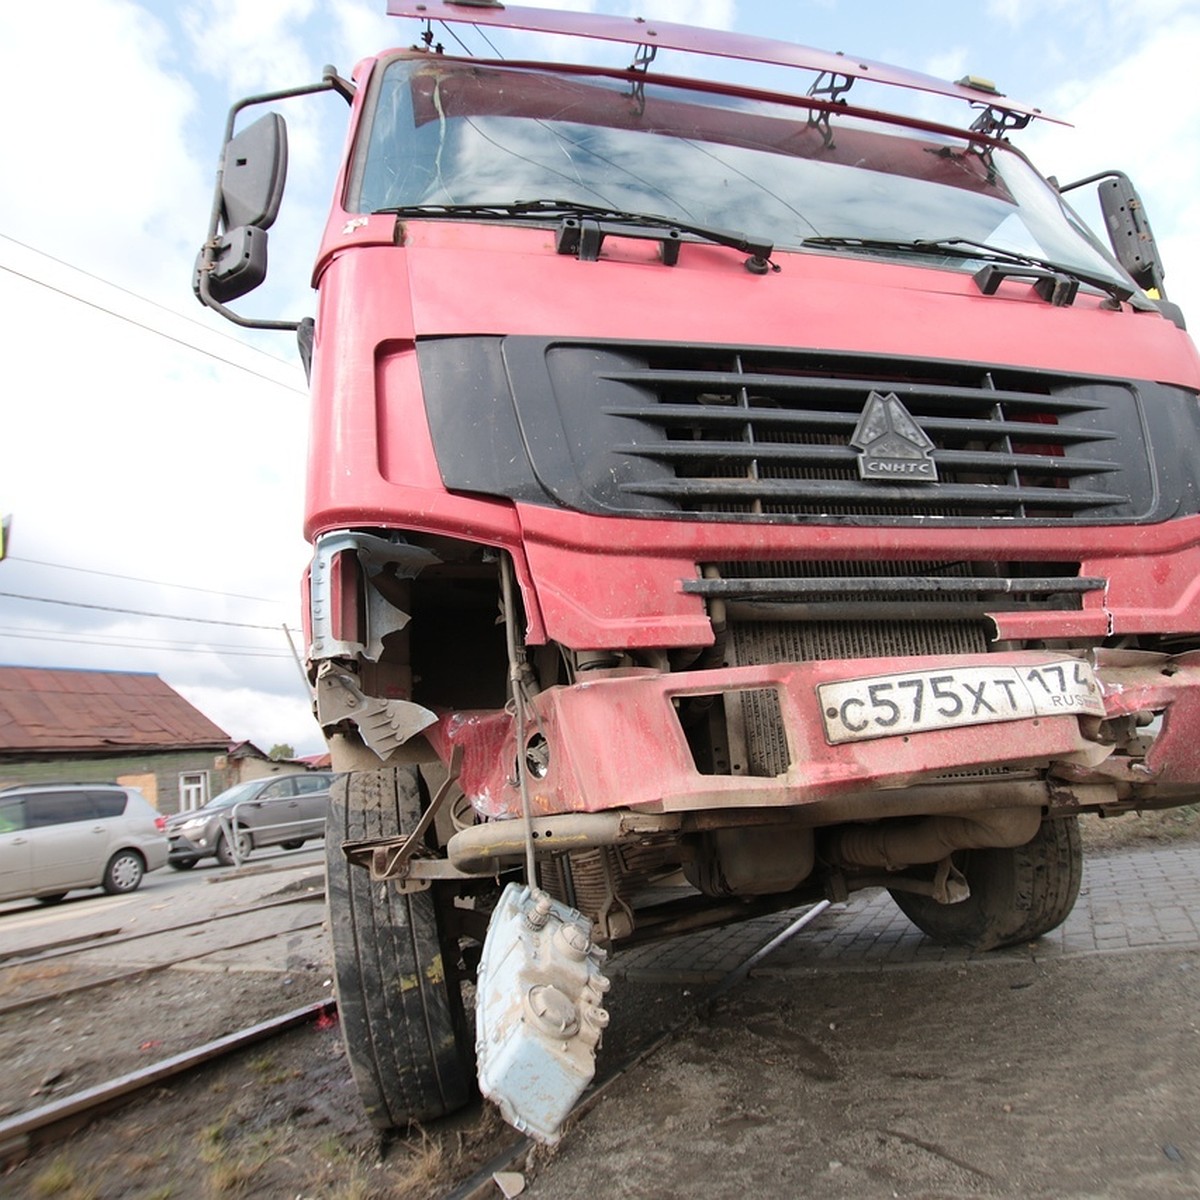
column 330, row 81
column 207, row 298
column 1101, row 175
column 344, row 87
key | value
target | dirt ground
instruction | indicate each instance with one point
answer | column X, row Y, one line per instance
column 1077, row 1079
column 1009, row 1077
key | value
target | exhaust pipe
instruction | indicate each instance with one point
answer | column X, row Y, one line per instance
column 901, row 843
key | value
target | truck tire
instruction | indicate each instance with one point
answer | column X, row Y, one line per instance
column 1016, row 895
column 403, row 1021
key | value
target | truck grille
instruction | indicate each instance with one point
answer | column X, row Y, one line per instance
column 767, row 433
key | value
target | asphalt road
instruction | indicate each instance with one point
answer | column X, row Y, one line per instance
column 166, row 898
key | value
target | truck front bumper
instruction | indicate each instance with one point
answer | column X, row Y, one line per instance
column 616, row 740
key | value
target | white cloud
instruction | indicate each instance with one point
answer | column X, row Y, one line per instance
column 1138, row 118
column 709, row 14
column 244, row 42
column 125, row 451
column 1094, row 16
column 948, row 64
column 274, row 718
column 97, row 167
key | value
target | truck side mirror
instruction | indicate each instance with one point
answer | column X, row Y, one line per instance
column 1129, row 231
column 246, row 199
column 253, row 173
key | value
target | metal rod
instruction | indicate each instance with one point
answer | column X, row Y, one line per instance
column 518, row 693
column 308, row 687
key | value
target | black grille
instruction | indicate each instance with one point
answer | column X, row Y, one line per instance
column 763, row 434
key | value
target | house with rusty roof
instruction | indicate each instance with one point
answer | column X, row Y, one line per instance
column 84, row 726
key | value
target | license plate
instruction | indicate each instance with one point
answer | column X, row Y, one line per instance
column 916, row 701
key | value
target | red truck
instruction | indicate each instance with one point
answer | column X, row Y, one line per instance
column 722, row 498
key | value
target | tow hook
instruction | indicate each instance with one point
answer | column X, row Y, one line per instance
column 538, row 1014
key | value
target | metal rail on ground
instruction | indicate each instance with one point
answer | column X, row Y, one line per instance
column 138, row 972
column 116, row 937
column 24, row 1133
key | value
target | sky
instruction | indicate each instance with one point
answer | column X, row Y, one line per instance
column 152, row 455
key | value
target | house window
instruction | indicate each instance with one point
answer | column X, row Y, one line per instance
column 193, row 790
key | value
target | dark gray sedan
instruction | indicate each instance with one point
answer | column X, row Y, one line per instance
column 281, row 810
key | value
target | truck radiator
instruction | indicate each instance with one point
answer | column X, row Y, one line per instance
column 756, row 738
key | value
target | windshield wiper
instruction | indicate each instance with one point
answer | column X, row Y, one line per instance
column 585, row 241
column 989, row 280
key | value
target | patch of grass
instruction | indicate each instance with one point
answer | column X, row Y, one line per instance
column 357, row 1187
column 212, row 1139
column 428, row 1166
column 61, row 1179
column 232, row 1178
column 56, row 1180
column 269, row 1071
column 331, row 1149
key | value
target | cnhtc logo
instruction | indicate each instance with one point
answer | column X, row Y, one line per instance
column 890, row 444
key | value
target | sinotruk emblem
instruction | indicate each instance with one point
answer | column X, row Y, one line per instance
column 890, row 444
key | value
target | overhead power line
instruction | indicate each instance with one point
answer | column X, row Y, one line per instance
column 135, row 612
column 166, row 648
column 180, row 341
column 108, row 283
column 186, row 587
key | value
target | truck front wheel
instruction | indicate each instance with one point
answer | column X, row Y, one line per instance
column 400, row 1008
column 1017, row 894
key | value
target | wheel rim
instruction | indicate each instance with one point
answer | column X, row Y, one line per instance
column 126, row 872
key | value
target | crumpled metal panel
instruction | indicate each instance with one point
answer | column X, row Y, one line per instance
column 538, row 1014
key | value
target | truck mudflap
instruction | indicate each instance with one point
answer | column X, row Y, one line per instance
column 616, row 738
column 538, row 1014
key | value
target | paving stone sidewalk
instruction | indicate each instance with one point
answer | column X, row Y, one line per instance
column 1133, row 900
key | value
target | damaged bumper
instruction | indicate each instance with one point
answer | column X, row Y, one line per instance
column 843, row 729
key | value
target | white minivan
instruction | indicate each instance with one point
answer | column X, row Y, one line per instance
column 57, row 837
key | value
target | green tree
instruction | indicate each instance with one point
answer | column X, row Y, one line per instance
column 280, row 751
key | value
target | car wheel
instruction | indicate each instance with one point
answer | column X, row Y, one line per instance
column 294, row 844
column 1017, row 894
column 51, row 898
column 400, row 1008
column 124, row 872
column 225, row 851
column 182, row 864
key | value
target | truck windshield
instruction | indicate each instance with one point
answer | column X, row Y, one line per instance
column 444, row 133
